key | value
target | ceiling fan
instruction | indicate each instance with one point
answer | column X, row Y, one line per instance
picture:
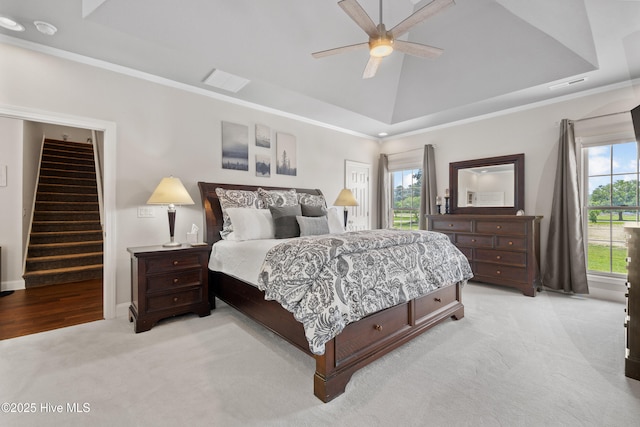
column 382, row 42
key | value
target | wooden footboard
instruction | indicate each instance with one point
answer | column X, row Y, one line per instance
column 359, row 344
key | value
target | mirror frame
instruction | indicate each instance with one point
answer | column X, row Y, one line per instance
column 518, row 186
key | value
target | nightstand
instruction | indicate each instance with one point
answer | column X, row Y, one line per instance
column 166, row 282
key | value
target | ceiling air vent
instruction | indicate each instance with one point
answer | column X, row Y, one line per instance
column 223, row 80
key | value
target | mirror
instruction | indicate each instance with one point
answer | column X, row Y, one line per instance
column 493, row 185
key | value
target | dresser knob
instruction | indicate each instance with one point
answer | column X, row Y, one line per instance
column 498, row 272
column 377, row 327
column 437, row 300
column 498, row 227
column 175, row 299
column 175, row 262
column 450, row 225
column 176, row 280
column 473, row 240
column 498, row 257
column 510, row 243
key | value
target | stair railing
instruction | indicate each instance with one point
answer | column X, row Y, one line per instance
column 98, row 166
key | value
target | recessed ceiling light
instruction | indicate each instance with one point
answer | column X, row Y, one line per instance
column 383, row 134
column 45, row 28
column 10, row 24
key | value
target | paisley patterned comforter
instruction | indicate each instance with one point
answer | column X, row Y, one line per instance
column 330, row 281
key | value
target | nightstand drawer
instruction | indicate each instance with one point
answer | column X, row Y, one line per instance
column 172, row 262
column 178, row 279
column 175, row 299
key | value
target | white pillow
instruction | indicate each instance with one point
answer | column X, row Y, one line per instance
column 251, row 224
column 336, row 221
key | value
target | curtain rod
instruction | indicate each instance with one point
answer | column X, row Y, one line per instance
column 598, row 117
column 409, row 151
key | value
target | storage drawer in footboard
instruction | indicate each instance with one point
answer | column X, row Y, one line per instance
column 368, row 333
column 435, row 301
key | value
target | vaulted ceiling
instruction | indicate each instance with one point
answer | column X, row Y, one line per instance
column 498, row 54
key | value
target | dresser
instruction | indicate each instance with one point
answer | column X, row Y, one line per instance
column 166, row 282
column 632, row 320
column 502, row 249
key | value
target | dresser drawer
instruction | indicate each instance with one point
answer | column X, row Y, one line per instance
column 434, row 301
column 451, row 224
column 474, row 241
column 511, row 243
column 502, row 257
column 176, row 299
column 370, row 330
column 179, row 279
column 499, row 227
column 172, row 262
column 515, row 274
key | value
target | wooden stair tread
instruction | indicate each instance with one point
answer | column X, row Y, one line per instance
column 72, row 232
column 63, row 270
column 65, row 244
column 66, row 256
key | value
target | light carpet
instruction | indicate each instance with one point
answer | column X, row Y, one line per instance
column 512, row 360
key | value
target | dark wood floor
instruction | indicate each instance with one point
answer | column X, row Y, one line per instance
column 33, row 310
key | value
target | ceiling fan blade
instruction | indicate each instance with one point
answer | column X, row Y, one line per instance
column 359, row 16
column 372, row 67
column 337, row 50
column 417, row 49
column 420, row 15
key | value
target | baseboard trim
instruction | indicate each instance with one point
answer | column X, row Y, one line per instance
column 14, row 285
column 122, row 310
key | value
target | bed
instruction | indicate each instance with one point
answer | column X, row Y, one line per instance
column 359, row 343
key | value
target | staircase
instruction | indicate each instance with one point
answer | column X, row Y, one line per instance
column 65, row 244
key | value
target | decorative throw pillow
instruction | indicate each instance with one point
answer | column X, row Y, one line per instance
column 312, row 199
column 311, row 226
column 284, row 220
column 312, row 210
column 251, row 224
column 278, row 197
column 235, row 199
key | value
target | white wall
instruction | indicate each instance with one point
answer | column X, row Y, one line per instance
column 161, row 131
column 11, row 204
column 533, row 131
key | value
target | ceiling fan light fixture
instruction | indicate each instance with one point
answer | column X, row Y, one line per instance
column 380, row 47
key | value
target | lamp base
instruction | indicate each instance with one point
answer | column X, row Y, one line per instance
column 172, row 244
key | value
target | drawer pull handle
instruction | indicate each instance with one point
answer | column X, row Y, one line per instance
column 437, row 300
column 175, row 262
column 473, row 240
column 498, row 257
column 510, row 243
column 498, row 227
column 498, row 272
column 377, row 327
column 176, row 280
column 450, row 225
column 175, row 299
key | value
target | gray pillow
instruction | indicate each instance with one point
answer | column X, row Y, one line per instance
column 311, row 210
column 311, row 226
column 284, row 220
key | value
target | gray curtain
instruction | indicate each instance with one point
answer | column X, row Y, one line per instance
column 384, row 192
column 428, row 191
column 564, row 262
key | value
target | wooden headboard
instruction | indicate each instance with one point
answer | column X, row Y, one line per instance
column 213, row 212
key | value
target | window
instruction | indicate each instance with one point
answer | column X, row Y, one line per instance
column 611, row 173
column 406, row 198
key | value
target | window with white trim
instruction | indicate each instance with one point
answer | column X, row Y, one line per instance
column 405, row 205
column 611, row 202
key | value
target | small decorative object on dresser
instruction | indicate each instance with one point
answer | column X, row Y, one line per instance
column 502, row 249
column 166, row 282
column 632, row 321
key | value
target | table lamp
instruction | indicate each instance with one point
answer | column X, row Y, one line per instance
column 170, row 192
column 345, row 198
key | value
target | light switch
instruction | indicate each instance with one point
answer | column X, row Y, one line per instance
column 146, row 212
